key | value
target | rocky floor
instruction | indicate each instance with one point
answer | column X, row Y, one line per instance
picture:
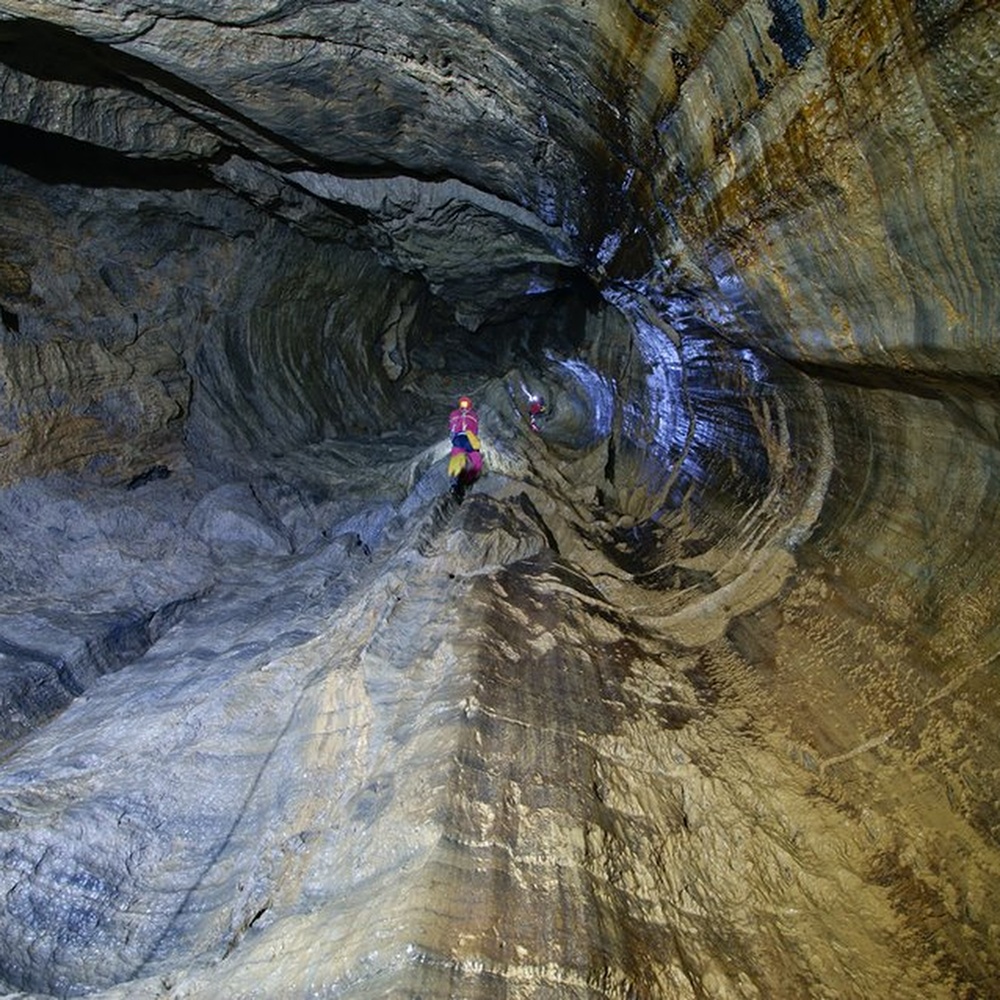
column 351, row 742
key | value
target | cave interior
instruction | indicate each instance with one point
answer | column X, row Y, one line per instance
column 694, row 694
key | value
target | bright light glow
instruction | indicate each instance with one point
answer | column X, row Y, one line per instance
column 609, row 247
column 598, row 392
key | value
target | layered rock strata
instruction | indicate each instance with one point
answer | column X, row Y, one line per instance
column 694, row 695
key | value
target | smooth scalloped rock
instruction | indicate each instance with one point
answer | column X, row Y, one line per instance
column 694, row 695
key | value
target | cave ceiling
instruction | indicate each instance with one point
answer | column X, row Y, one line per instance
column 750, row 157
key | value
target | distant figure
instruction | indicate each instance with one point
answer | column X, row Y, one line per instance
column 463, row 419
column 466, row 460
column 536, row 407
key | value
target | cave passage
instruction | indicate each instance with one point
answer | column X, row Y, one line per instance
column 694, row 695
column 203, row 598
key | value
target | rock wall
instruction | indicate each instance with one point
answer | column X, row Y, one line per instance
column 694, row 695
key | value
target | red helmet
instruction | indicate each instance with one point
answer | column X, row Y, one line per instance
column 464, row 403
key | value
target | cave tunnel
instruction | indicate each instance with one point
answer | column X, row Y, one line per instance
column 694, row 694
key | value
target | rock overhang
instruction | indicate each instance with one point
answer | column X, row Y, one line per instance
column 272, row 110
column 701, row 154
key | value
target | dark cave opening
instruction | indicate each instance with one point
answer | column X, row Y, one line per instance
column 58, row 159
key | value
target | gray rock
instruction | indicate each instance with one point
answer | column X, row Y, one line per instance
column 231, row 520
column 693, row 695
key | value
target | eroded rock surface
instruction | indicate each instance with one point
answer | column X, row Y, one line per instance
column 695, row 694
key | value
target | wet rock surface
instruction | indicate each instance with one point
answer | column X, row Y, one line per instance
column 693, row 695
column 620, row 753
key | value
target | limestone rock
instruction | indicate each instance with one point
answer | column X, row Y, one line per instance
column 694, row 695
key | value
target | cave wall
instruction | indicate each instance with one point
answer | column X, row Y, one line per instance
column 695, row 695
column 95, row 323
column 822, row 166
column 147, row 328
column 816, row 168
